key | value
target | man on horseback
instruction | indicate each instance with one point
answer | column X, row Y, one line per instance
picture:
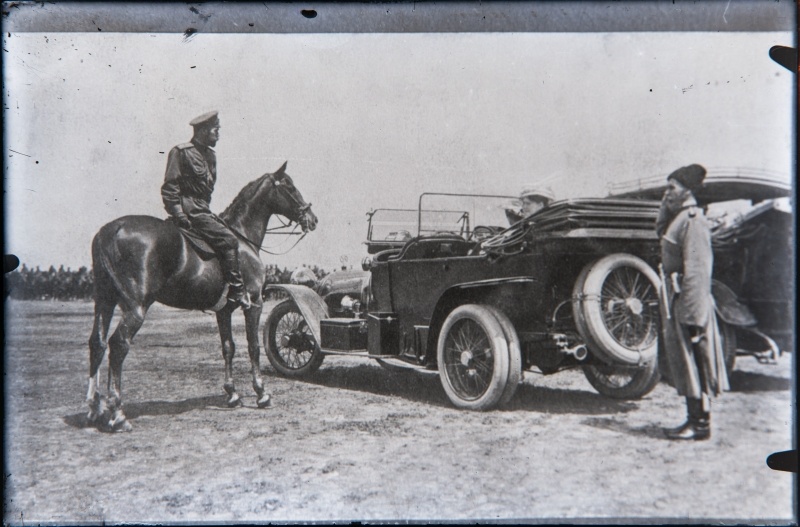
column 186, row 192
column 138, row 260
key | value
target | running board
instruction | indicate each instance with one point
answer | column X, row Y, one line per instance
column 364, row 354
column 356, row 353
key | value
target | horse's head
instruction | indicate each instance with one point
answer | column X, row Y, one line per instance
column 288, row 201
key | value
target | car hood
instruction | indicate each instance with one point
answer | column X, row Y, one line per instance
column 344, row 282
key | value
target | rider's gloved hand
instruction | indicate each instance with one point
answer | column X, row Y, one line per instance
column 182, row 221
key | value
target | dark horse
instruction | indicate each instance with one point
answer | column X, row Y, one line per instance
column 139, row 260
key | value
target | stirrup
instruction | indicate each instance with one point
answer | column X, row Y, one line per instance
column 242, row 300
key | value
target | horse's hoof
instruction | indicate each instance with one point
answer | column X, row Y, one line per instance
column 265, row 401
column 119, row 423
column 123, row 426
column 234, row 401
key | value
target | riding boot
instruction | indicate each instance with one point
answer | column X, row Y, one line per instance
column 680, row 428
column 233, row 276
column 697, row 425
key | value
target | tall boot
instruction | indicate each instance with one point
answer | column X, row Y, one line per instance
column 697, row 425
column 229, row 260
column 702, row 427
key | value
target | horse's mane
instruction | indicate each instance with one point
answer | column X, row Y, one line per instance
column 242, row 200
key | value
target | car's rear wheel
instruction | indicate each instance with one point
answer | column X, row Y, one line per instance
column 623, row 382
column 290, row 346
column 616, row 309
column 473, row 357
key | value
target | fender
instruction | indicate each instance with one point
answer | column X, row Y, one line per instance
column 728, row 307
column 442, row 308
column 309, row 302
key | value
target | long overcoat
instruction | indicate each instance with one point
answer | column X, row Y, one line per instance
column 687, row 257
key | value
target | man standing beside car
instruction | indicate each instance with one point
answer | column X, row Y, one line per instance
column 691, row 335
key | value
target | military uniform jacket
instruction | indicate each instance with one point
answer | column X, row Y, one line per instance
column 686, row 249
column 189, row 180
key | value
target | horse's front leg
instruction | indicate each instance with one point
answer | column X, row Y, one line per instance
column 228, row 350
column 252, row 318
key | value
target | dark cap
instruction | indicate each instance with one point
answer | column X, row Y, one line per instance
column 691, row 176
column 207, row 119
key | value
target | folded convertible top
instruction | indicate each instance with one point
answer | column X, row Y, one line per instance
column 604, row 215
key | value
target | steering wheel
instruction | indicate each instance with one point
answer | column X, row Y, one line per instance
column 442, row 235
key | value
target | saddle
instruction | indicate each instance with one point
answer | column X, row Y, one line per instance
column 205, row 252
column 200, row 246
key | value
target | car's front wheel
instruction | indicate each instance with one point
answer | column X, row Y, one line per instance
column 473, row 357
column 289, row 343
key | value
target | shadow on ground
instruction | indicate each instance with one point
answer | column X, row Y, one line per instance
column 410, row 384
column 135, row 410
column 425, row 387
column 652, row 431
column 745, row 381
column 566, row 401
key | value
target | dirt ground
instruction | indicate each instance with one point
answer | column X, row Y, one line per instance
column 358, row 442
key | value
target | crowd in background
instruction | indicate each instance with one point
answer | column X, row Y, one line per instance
column 26, row 283
column 275, row 276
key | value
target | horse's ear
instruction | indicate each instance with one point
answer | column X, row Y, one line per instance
column 282, row 170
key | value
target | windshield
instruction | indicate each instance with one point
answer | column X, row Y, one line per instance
column 477, row 210
column 439, row 213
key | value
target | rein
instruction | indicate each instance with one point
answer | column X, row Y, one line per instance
column 301, row 209
column 258, row 247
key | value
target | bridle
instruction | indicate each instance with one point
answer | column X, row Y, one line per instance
column 302, row 210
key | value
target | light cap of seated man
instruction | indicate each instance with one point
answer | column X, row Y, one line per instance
column 535, row 198
column 537, row 191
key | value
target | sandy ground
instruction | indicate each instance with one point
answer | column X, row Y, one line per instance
column 358, row 442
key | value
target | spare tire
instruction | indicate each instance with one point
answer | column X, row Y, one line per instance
column 615, row 306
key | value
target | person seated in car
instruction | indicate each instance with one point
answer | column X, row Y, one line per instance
column 532, row 199
column 304, row 276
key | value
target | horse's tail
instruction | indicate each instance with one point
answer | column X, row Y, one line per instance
column 105, row 252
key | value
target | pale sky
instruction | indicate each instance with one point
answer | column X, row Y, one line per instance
column 372, row 120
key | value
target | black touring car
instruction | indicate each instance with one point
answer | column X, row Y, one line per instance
column 448, row 287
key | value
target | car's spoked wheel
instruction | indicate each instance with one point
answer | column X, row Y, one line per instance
column 622, row 382
column 630, row 307
column 616, row 310
column 514, row 356
column 290, row 345
column 473, row 358
column 469, row 359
